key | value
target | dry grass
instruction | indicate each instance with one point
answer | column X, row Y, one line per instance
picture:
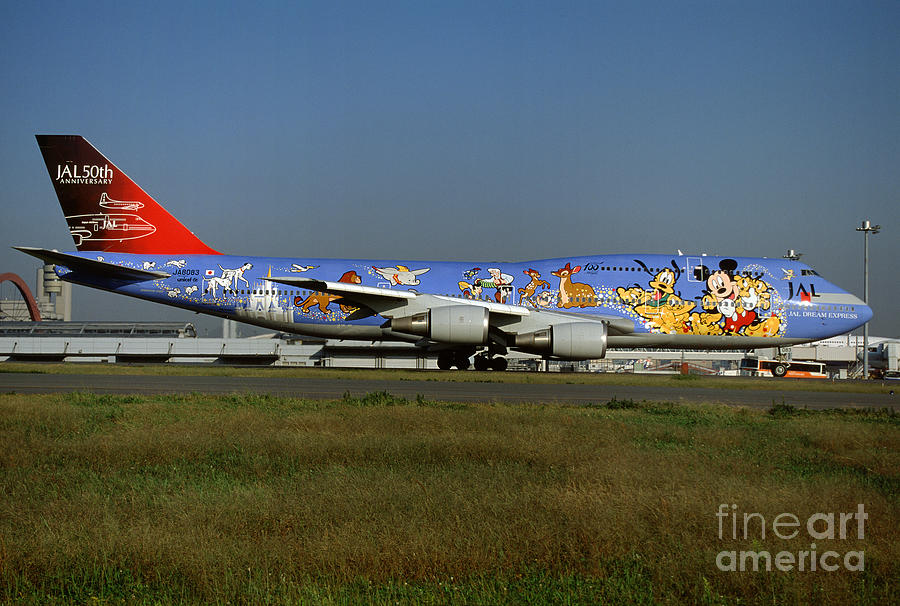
column 246, row 498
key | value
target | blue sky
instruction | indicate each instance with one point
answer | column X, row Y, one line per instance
column 470, row 131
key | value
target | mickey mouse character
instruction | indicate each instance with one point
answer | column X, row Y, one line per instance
column 721, row 297
column 721, row 283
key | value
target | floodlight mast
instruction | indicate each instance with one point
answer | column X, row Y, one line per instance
column 866, row 228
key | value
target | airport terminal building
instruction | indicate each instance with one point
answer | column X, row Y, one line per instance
column 178, row 343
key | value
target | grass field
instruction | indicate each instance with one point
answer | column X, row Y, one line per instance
column 468, row 376
column 252, row 499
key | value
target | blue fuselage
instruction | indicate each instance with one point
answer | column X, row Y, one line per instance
column 697, row 301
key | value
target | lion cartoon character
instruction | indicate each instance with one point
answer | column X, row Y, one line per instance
column 323, row 300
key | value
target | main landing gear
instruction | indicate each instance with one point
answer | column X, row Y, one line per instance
column 485, row 362
column 490, row 357
column 448, row 359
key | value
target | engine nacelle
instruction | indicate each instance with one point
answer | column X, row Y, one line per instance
column 448, row 324
column 568, row 341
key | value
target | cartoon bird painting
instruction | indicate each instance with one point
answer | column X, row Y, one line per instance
column 296, row 268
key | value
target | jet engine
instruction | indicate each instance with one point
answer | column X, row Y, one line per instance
column 448, row 324
column 569, row 341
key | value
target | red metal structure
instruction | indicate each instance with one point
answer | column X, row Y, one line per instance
column 33, row 310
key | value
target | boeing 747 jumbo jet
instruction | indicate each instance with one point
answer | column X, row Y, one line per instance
column 570, row 308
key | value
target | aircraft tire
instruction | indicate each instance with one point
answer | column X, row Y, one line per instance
column 462, row 363
column 445, row 361
column 499, row 364
column 779, row 370
column 482, row 363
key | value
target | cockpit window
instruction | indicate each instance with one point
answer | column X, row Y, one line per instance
column 808, row 272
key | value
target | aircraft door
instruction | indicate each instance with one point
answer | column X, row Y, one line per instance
column 658, row 302
column 694, row 269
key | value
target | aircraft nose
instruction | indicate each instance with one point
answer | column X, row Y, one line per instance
column 865, row 312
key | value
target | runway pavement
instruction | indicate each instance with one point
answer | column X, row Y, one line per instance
column 433, row 390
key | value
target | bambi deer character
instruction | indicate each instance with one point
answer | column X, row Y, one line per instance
column 526, row 293
column 573, row 294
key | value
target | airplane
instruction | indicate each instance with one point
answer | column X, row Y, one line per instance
column 569, row 308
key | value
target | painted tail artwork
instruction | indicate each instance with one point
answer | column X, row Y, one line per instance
column 109, row 226
column 87, row 185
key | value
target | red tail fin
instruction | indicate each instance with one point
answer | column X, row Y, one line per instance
column 107, row 211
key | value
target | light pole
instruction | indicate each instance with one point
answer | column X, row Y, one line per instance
column 866, row 228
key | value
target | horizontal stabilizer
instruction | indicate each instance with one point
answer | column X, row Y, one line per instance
column 92, row 266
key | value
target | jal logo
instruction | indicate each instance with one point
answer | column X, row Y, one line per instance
column 84, row 173
column 802, row 293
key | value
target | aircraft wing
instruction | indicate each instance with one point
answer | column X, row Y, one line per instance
column 100, row 269
column 617, row 324
column 383, row 300
column 367, row 299
column 389, row 303
column 353, row 293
